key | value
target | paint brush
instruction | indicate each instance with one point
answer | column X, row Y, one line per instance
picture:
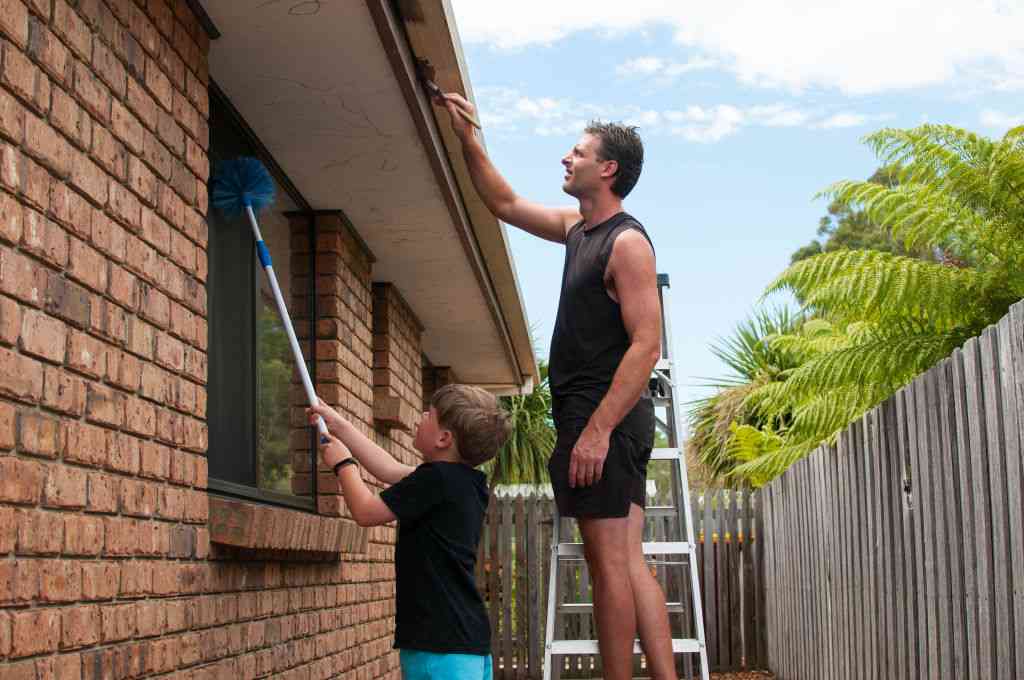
column 426, row 73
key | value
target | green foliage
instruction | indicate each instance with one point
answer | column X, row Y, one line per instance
column 524, row 458
column 877, row 318
column 272, row 411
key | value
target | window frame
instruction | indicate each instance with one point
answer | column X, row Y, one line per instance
column 251, row 457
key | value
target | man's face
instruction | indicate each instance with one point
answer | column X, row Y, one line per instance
column 584, row 171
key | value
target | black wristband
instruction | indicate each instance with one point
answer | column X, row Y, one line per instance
column 343, row 463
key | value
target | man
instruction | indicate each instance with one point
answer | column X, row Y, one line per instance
column 607, row 340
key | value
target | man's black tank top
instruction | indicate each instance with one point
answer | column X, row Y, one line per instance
column 590, row 338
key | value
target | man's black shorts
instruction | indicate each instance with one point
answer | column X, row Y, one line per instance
column 623, row 480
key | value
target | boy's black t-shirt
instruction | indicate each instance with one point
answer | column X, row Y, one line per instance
column 440, row 508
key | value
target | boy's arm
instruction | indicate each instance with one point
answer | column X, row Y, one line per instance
column 367, row 509
column 548, row 223
column 376, row 460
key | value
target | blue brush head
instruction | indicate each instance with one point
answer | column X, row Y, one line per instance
column 241, row 182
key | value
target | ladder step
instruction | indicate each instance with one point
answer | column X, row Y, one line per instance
column 587, row 607
column 650, row 548
column 679, row 646
column 663, row 365
column 660, row 511
column 668, row 453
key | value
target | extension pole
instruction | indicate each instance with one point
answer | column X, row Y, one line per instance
column 264, row 255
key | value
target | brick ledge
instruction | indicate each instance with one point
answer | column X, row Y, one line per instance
column 243, row 524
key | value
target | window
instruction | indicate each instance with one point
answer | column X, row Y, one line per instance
column 250, row 362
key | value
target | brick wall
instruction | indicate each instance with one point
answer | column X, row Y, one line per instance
column 107, row 567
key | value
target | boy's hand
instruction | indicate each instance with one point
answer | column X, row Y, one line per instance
column 332, row 451
column 334, row 421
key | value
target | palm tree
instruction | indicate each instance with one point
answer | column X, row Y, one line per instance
column 524, row 458
column 881, row 318
column 754, row 362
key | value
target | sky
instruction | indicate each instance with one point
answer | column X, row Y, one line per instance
column 747, row 109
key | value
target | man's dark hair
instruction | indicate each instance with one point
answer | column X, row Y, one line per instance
column 620, row 143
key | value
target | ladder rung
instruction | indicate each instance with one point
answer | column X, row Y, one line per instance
column 650, row 548
column 668, row 453
column 587, row 607
column 679, row 646
column 660, row 511
column 663, row 365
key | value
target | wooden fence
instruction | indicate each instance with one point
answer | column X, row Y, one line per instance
column 900, row 552
column 512, row 573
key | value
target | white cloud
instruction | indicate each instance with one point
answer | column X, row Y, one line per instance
column 667, row 70
column 509, row 111
column 999, row 120
column 857, row 47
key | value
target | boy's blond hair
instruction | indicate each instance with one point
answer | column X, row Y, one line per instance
column 480, row 425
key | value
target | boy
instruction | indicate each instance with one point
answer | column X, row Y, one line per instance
column 442, row 631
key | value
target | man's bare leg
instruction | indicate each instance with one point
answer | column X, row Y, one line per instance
column 605, row 544
column 649, row 601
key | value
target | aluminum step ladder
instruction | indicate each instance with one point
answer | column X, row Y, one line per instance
column 662, row 389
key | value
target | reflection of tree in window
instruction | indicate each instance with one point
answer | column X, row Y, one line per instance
column 274, row 367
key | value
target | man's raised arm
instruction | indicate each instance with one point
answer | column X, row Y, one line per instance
column 547, row 223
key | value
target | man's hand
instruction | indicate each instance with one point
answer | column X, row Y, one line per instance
column 453, row 101
column 586, row 463
column 332, row 451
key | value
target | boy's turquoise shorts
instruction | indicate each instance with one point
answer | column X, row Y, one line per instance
column 417, row 665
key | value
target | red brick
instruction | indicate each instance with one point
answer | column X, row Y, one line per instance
column 70, row 209
column 35, row 632
column 109, row 152
column 144, row 183
column 10, row 321
column 45, row 239
column 92, row 93
column 83, row 535
column 196, row 159
column 67, row 300
column 165, row 579
column 187, row 395
column 87, row 354
column 109, row 321
column 60, row 581
column 5, row 634
column 183, row 251
column 69, row 117
column 47, row 50
column 152, row 618
column 81, row 626
column 136, row 579
column 88, row 266
column 157, row 155
column 170, row 205
column 104, row 405
column 140, row 417
column 170, row 133
column 11, row 164
column 183, row 322
column 159, row 85
column 43, row 336
column 72, row 28
column 109, row 237
column 19, row 581
column 12, row 117
column 21, row 481
column 10, row 218
column 63, row 667
column 22, row 277
column 100, row 580
column 39, row 434
column 35, row 188
column 198, row 94
column 172, row 502
column 40, row 8
column 85, row 443
column 118, row 622
column 102, row 493
column 187, row 116
column 155, row 461
column 47, row 145
column 141, row 103
column 124, row 207
column 138, row 498
column 126, row 126
column 143, row 29
column 39, row 532
column 63, row 391
column 155, row 231
column 123, row 452
column 8, row 417
column 123, row 286
column 24, row 670
column 142, row 258
column 141, row 338
column 14, row 21
column 65, row 487
column 123, row 370
column 120, row 539
column 169, row 428
column 25, row 79
column 109, row 68
column 89, row 178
